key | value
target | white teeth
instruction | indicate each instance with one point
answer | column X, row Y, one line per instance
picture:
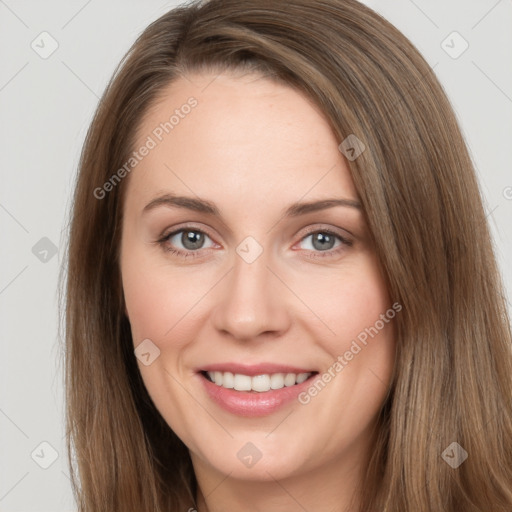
column 228, row 380
column 301, row 377
column 217, row 378
column 277, row 381
column 259, row 383
column 242, row 382
column 289, row 380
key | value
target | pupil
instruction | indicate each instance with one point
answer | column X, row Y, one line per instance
column 192, row 239
column 322, row 241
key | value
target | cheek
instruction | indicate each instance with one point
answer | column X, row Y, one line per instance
column 159, row 298
column 149, row 304
column 348, row 302
column 357, row 335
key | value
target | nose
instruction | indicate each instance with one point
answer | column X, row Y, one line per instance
column 251, row 301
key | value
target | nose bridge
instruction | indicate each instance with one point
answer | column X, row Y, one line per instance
column 250, row 301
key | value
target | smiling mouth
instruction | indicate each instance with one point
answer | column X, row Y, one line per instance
column 256, row 383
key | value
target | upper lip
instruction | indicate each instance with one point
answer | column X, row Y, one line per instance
column 253, row 369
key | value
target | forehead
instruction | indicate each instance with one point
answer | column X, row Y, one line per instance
column 241, row 137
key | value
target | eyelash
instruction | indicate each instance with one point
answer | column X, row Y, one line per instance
column 194, row 254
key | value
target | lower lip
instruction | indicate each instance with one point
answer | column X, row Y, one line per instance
column 244, row 403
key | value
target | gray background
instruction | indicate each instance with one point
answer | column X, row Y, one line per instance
column 46, row 105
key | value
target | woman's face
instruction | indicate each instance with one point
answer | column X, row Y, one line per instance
column 244, row 254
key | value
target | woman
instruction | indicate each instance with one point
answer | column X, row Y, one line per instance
column 281, row 291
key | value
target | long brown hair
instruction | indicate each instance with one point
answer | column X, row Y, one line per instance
column 416, row 182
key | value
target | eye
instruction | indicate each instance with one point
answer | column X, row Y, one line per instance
column 185, row 242
column 324, row 241
column 189, row 242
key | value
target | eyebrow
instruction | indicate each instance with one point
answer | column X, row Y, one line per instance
column 205, row 206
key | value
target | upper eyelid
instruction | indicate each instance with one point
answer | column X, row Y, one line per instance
column 328, row 229
column 173, row 231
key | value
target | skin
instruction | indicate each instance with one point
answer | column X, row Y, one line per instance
column 253, row 147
